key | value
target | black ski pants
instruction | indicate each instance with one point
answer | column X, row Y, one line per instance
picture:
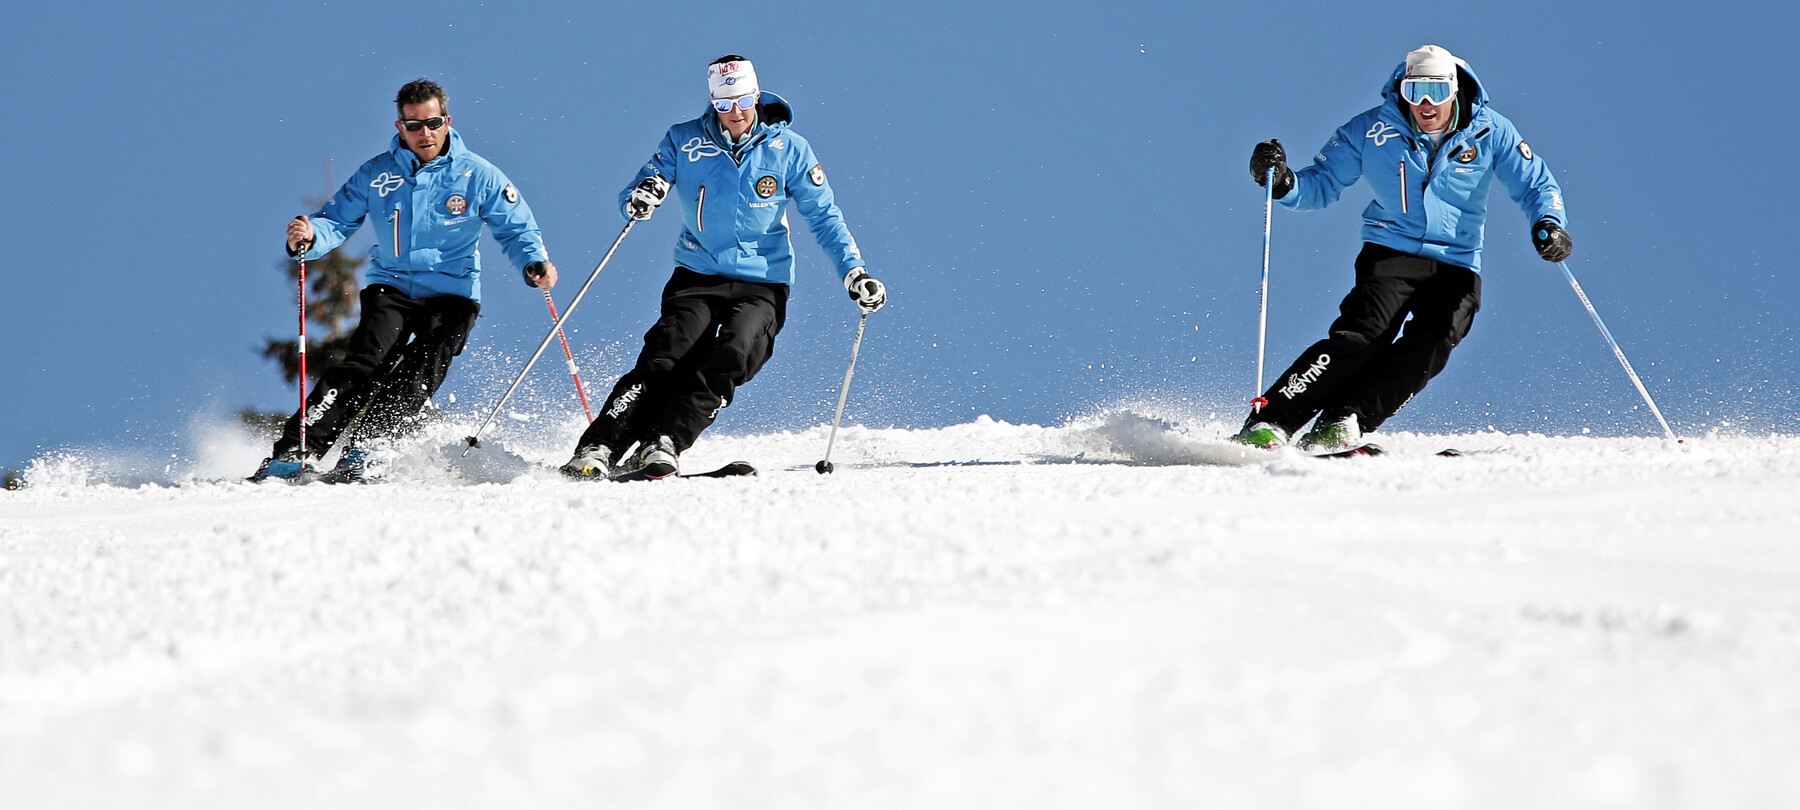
column 1394, row 332
column 397, row 358
column 714, row 335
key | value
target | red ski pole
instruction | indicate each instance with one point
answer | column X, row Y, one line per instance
column 303, row 247
column 569, row 356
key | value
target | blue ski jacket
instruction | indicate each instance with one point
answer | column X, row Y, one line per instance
column 1430, row 202
column 732, row 205
column 429, row 219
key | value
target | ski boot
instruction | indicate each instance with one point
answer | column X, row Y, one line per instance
column 591, row 462
column 1332, row 434
column 656, row 459
column 288, row 466
column 352, row 468
column 1265, row 435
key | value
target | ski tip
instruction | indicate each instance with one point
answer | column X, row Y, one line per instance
column 1451, row 452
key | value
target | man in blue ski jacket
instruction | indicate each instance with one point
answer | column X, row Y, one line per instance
column 734, row 169
column 428, row 196
column 1430, row 152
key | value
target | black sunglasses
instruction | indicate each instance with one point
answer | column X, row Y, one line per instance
column 435, row 122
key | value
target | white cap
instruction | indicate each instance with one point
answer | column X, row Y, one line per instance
column 1431, row 62
column 732, row 79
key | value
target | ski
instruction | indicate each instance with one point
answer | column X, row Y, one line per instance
column 1377, row 450
column 1355, row 452
column 733, row 470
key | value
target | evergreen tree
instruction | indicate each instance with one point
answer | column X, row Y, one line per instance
column 333, row 282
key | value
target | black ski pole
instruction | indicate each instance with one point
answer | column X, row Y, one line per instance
column 824, row 465
column 475, row 439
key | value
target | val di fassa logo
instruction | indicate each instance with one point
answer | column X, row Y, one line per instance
column 387, row 182
column 1298, row 383
column 700, row 148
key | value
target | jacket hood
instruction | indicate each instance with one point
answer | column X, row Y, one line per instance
column 404, row 156
column 771, row 111
column 1471, row 96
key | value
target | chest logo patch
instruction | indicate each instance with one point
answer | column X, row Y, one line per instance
column 456, row 205
column 698, row 147
column 765, row 187
column 1381, row 133
column 386, row 182
column 816, row 174
column 1468, row 155
column 1525, row 149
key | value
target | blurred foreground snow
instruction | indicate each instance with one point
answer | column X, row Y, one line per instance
column 1119, row 613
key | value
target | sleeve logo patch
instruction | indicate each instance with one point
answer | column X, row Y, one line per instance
column 766, row 186
column 816, row 175
column 1468, row 155
column 511, row 194
column 456, row 205
column 1525, row 149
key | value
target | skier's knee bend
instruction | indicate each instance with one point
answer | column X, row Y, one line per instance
column 1356, row 340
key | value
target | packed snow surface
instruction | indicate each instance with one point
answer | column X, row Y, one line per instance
column 1119, row 612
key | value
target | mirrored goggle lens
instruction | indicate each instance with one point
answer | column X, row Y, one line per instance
column 1427, row 91
column 413, row 124
column 745, row 103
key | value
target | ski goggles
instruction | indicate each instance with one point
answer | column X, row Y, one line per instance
column 745, row 103
column 1427, row 91
column 433, row 123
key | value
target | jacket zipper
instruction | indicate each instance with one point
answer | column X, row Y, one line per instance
column 395, row 218
column 700, row 211
column 1403, row 191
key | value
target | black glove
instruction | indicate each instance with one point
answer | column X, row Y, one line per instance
column 865, row 290
column 1269, row 155
column 1551, row 241
column 647, row 196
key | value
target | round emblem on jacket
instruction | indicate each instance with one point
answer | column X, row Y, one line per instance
column 816, row 175
column 766, row 186
column 456, row 205
column 1468, row 155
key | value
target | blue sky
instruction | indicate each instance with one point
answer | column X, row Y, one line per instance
column 1056, row 194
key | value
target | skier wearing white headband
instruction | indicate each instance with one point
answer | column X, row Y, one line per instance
column 734, row 170
column 1430, row 151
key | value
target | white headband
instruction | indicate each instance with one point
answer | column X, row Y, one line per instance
column 731, row 79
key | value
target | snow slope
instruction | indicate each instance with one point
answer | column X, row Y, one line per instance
column 1121, row 612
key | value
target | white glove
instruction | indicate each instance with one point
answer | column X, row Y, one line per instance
column 865, row 291
column 647, row 196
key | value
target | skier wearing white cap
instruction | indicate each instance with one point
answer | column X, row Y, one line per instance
column 734, row 169
column 1430, row 151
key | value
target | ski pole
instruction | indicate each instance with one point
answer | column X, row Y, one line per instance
column 570, row 357
column 475, row 439
column 304, row 421
column 1617, row 352
column 824, row 465
column 1257, row 401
